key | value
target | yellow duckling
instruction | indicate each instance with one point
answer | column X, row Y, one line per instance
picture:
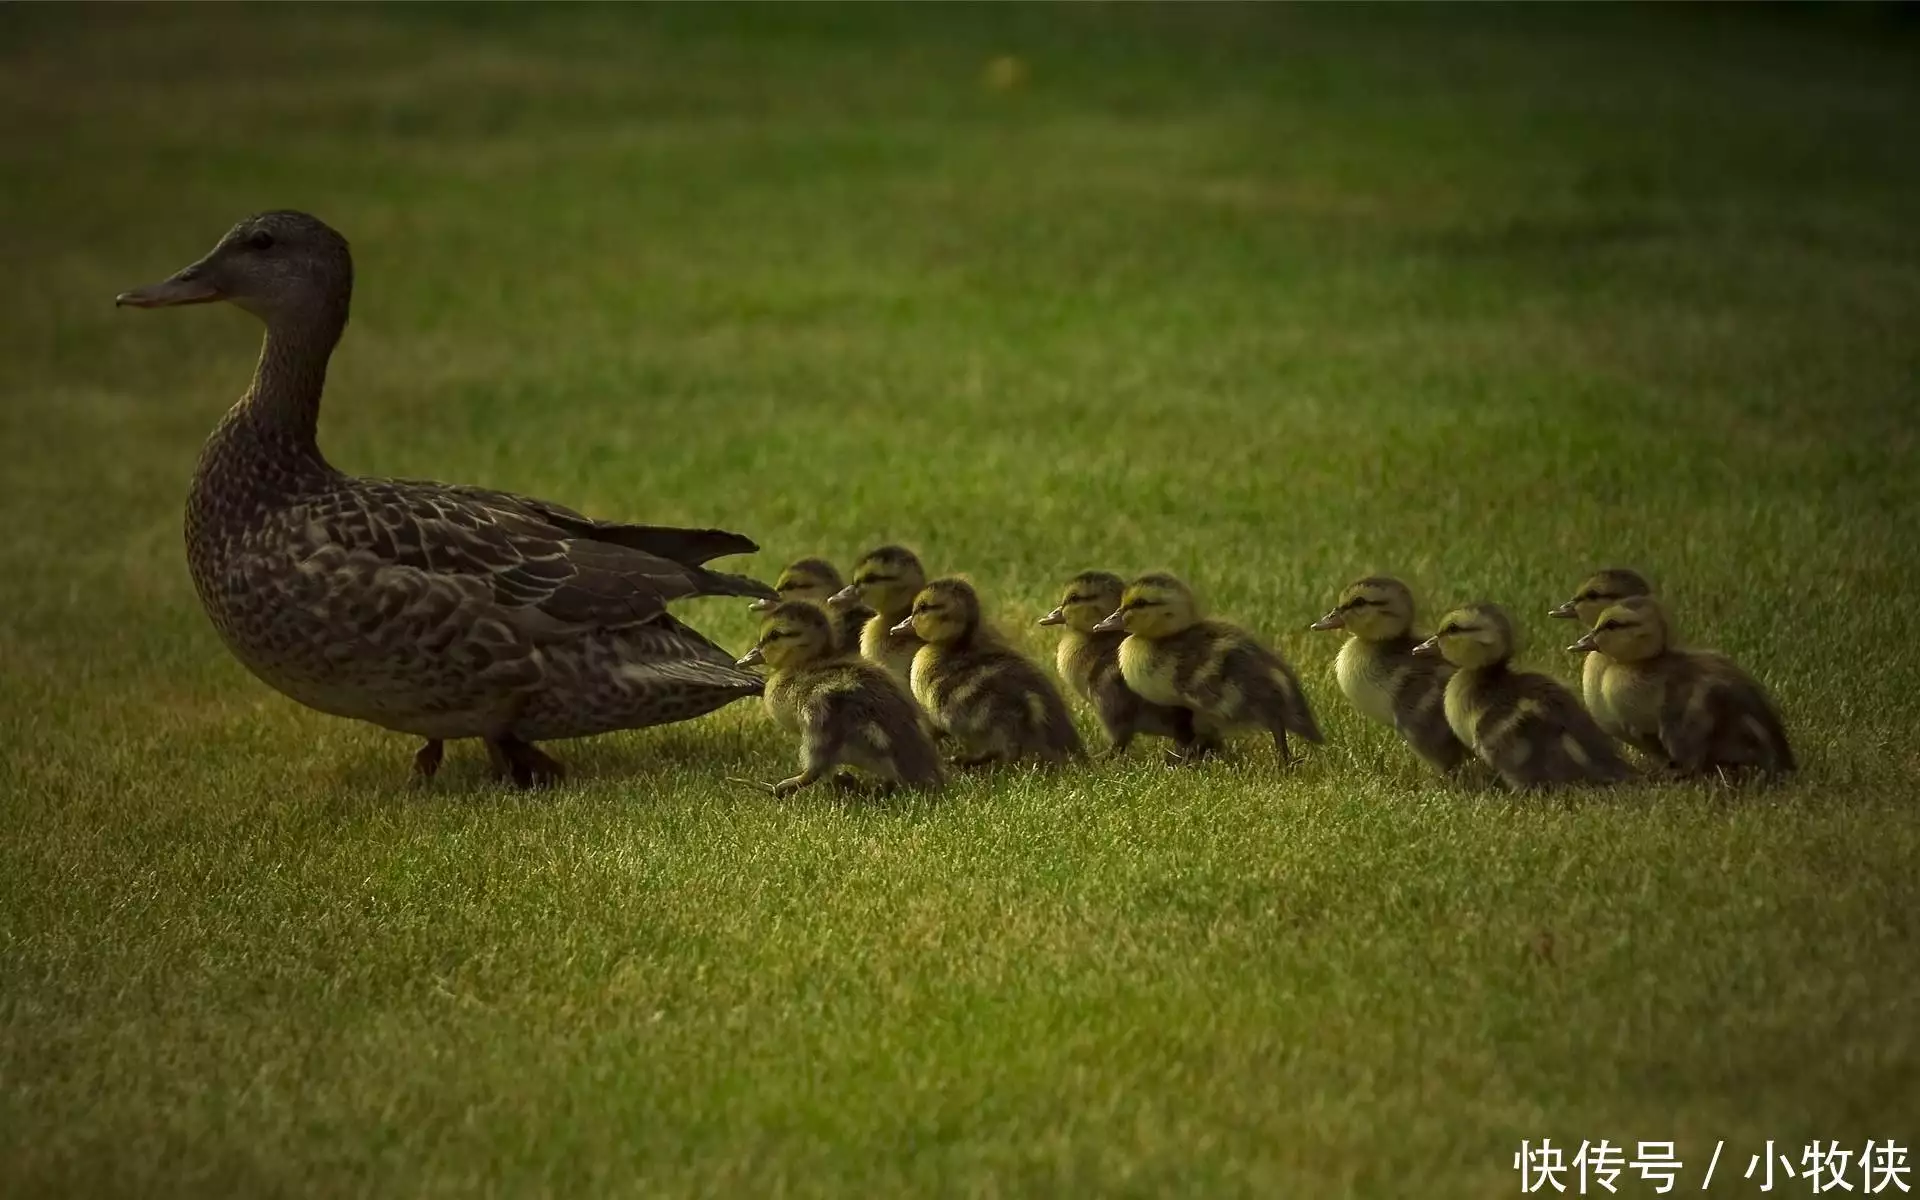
column 1600, row 592
column 1527, row 727
column 981, row 692
column 886, row 580
column 1090, row 663
column 1694, row 710
column 1226, row 676
column 847, row 712
column 1383, row 677
column 815, row 581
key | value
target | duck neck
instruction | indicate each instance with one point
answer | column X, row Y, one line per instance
column 282, row 409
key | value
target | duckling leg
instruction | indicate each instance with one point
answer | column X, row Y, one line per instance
column 427, row 762
column 523, row 762
column 1280, row 747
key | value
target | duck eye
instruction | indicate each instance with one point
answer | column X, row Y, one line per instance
column 1613, row 625
column 260, row 239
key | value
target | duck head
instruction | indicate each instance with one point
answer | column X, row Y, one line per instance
column 275, row 265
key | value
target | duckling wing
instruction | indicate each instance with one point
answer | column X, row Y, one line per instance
column 1718, row 716
column 545, row 580
column 1563, row 744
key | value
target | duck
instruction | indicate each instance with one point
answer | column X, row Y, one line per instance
column 1175, row 657
column 816, row 580
column 886, row 579
column 995, row 703
column 847, row 712
column 1528, row 728
column 1602, row 590
column 1089, row 662
column 1695, row 711
column 437, row 610
column 1381, row 675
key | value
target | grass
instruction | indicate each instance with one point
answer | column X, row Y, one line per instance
column 1269, row 296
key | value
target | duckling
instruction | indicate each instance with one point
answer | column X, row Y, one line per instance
column 886, row 580
column 1527, row 727
column 1225, row 675
column 847, row 712
column 1090, row 663
column 1384, row 678
column 1601, row 591
column 815, row 580
column 1694, row 710
column 981, row 692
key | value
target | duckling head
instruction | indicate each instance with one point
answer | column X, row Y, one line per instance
column 886, row 580
column 945, row 611
column 1154, row 606
column 1089, row 597
column 1374, row 609
column 811, row 579
column 273, row 264
column 1479, row 635
column 1632, row 630
column 793, row 634
column 1602, row 591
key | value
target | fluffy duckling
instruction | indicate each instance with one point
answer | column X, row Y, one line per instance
column 981, row 692
column 1090, row 663
column 1527, row 727
column 1383, row 677
column 847, row 712
column 1600, row 592
column 815, row 581
column 1694, row 710
column 886, row 580
column 1227, row 677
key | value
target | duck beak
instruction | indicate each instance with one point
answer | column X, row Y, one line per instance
column 751, row 658
column 1430, row 646
column 1585, row 645
column 1564, row 612
column 905, row 626
column 187, row 286
column 763, row 604
column 1332, row 620
column 1115, row 620
column 1057, row 617
column 849, row 594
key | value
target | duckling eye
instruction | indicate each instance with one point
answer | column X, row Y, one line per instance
column 1613, row 624
column 260, row 239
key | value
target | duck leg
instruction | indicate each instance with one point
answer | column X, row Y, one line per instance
column 427, row 762
column 523, row 762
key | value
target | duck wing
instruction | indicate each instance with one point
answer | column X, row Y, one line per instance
column 691, row 547
column 549, row 580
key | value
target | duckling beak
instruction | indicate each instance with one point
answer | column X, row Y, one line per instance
column 905, row 626
column 763, row 604
column 1332, row 620
column 1115, row 620
column 1430, row 646
column 182, row 287
column 849, row 594
column 1585, row 645
column 751, row 658
column 1564, row 612
column 1057, row 617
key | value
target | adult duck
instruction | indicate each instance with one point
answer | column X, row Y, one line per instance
column 433, row 609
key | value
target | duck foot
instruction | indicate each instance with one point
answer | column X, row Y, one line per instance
column 426, row 763
column 523, row 762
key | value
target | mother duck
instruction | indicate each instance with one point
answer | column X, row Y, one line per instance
column 432, row 609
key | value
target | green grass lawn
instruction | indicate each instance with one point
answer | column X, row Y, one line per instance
column 1273, row 297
